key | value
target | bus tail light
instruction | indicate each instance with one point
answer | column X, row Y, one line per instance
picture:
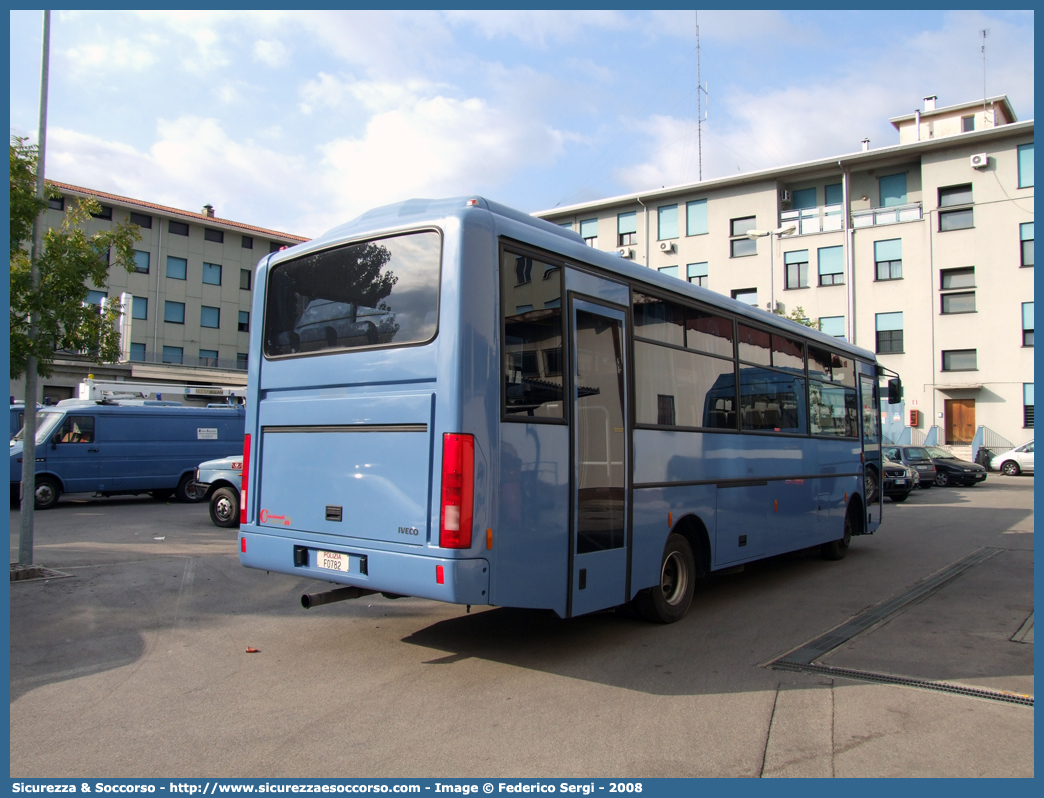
column 245, row 476
column 458, row 490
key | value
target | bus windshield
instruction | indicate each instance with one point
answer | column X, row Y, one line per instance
column 378, row 292
column 46, row 421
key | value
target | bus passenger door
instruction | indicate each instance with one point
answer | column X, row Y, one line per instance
column 599, row 419
column 871, row 410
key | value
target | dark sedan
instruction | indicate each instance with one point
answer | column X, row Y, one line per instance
column 950, row 470
column 917, row 458
column 899, row 481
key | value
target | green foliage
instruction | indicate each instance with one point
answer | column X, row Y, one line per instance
column 71, row 259
column 798, row 315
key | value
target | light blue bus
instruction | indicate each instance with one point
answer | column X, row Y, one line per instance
column 453, row 400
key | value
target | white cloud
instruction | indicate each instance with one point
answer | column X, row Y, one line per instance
column 438, row 147
column 87, row 60
column 539, row 27
column 192, row 162
column 271, row 52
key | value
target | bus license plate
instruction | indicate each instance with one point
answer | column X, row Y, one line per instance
column 332, row 561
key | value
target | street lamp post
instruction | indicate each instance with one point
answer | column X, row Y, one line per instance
column 773, row 236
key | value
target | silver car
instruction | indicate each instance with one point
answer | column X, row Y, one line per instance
column 222, row 480
column 1014, row 462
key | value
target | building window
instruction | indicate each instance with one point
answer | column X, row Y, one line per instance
column 174, row 313
column 967, row 124
column 217, row 236
column 1027, row 324
column 589, row 232
column 56, row 203
column 696, row 218
column 137, row 352
column 833, row 325
column 748, row 296
column 244, row 321
column 209, row 317
column 104, row 212
column 208, row 357
column 96, row 297
column 1027, row 405
column 833, row 194
column 740, row 246
column 566, row 225
column 960, row 198
column 244, row 279
column 667, row 222
column 889, row 333
column 796, row 265
column 888, row 259
column 275, row 246
column 950, row 279
column 247, row 242
column 177, row 228
column 959, row 360
column 141, row 220
column 177, row 268
column 893, row 190
column 242, row 360
column 212, row 273
column 140, row 307
column 668, row 270
column 1026, row 166
column 141, row 262
column 626, row 229
column 1026, row 237
column 961, row 302
column 831, row 265
column 697, row 274
column 803, row 199
column 173, row 354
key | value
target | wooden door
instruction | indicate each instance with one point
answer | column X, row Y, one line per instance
column 960, row 422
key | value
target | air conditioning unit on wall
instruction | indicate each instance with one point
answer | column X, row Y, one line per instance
column 666, row 246
column 980, row 161
column 786, row 199
column 624, row 252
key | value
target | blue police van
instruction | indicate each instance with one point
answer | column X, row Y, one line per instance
column 125, row 447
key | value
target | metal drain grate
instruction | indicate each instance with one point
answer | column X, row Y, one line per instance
column 885, row 678
column 802, row 658
column 816, row 648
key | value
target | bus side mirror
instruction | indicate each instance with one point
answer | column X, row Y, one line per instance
column 895, row 391
column 54, row 440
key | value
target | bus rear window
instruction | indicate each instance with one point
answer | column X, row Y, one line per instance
column 372, row 293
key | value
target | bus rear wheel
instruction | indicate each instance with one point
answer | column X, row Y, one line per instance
column 669, row 601
column 837, row 549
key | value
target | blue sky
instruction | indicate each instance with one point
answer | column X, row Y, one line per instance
column 302, row 120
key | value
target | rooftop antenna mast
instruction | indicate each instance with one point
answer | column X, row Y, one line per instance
column 699, row 99
column 984, row 33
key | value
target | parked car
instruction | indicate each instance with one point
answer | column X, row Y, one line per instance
column 1014, row 462
column 222, row 480
column 950, row 470
column 916, row 457
column 124, row 447
column 899, row 480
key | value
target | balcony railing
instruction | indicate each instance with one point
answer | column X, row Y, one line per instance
column 891, row 215
column 192, row 362
column 822, row 219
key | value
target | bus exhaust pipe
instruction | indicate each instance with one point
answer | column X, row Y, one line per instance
column 340, row 594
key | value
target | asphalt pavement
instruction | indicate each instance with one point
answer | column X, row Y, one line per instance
column 136, row 663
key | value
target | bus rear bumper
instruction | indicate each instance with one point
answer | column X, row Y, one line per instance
column 463, row 581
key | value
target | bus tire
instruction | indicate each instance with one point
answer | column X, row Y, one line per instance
column 224, row 508
column 668, row 601
column 47, row 492
column 837, row 549
column 188, row 491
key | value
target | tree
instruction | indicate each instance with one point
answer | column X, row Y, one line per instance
column 798, row 315
column 70, row 260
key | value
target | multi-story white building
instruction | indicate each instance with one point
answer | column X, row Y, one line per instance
column 192, row 290
column 920, row 251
